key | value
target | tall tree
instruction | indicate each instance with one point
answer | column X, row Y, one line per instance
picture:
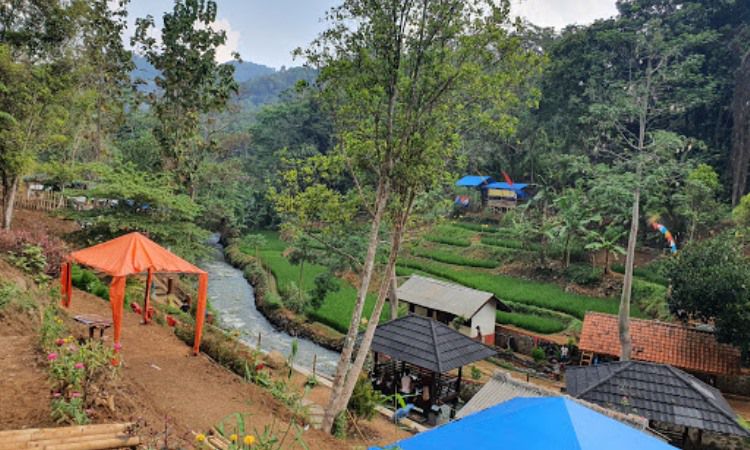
column 190, row 83
column 402, row 79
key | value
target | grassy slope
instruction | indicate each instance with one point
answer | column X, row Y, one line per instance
column 338, row 306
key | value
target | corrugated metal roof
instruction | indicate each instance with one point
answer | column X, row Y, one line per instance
column 504, row 185
column 427, row 343
column 655, row 391
column 473, row 181
column 443, row 296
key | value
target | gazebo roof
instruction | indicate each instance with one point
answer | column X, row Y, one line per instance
column 427, row 343
column 131, row 254
column 655, row 391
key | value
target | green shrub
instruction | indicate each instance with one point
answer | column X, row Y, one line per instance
column 453, row 258
column 538, row 354
column 583, row 274
column 476, row 374
column 539, row 324
column 651, row 298
column 652, row 272
column 364, row 400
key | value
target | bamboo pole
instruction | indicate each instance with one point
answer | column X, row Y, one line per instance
column 104, row 444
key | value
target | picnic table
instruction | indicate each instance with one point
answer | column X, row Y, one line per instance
column 94, row 322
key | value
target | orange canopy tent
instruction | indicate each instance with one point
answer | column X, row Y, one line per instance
column 133, row 254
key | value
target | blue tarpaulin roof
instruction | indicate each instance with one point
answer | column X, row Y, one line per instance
column 473, row 181
column 534, row 424
column 504, row 185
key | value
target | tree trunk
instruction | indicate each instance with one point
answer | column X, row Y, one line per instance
column 627, row 284
column 364, row 347
column 567, row 251
column 740, row 157
column 606, row 261
column 394, row 294
column 10, row 188
column 337, row 399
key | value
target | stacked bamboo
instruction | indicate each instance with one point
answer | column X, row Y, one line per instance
column 84, row 437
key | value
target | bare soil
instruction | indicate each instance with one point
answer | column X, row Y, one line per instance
column 163, row 385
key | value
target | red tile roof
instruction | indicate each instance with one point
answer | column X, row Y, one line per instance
column 659, row 342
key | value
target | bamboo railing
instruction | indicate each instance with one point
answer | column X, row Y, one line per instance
column 82, row 437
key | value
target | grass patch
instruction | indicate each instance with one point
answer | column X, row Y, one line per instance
column 481, row 227
column 337, row 307
column 507, row 243
column 453, row 258
column 544, row 325
column 450, row 235
column 543, row 295
column 649, row 273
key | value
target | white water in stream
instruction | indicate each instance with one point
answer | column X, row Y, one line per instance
column 234, row 299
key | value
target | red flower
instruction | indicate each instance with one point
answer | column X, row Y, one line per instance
column 115, row 362
column 59, row 341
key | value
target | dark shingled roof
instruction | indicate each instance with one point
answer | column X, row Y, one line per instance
column 655, row 391
column 427, row 343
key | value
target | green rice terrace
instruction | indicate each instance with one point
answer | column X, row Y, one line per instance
column 473, row 255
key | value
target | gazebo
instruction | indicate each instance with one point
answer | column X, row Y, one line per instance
column 133, row 254
column 413, row 356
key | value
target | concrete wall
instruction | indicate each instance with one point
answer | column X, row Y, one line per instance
column 485, row 319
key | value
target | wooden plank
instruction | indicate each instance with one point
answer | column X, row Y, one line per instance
column 78, row 439
column 49, row 433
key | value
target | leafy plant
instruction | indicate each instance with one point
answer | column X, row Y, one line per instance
column 538, row 354
column 476, row 374
column 583, row 274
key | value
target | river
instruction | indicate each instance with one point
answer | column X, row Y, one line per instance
column 234, row 299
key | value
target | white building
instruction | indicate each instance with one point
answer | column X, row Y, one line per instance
column 445, row 302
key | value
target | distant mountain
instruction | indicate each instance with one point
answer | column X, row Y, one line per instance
column 246, row 70
column 243, row 71
column 267, row 89
column 259, row 84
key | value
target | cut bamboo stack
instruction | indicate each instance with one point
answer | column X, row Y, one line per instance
column 83, row 437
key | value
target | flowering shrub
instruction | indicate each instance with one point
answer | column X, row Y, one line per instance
column 50, row 248
column 78, row 372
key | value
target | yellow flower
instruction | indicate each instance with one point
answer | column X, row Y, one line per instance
column 58, row 320
column 200, row 437
column 233, row 438
column 249, row 439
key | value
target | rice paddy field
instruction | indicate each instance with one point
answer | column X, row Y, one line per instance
column 470, row 254
column 337, row 307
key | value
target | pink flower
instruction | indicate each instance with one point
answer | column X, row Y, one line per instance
column 59, row 341
column 57, row 395
column 52, row 356
column 79, row 365
column 118, row 347
column 75, row 394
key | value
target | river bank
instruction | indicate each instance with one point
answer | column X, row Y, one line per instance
column 274, row 312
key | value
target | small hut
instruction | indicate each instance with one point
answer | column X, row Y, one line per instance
column 445, row 302
column 422, row 360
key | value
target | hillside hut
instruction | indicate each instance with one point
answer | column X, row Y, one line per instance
column 447, row 302
column 502, row 196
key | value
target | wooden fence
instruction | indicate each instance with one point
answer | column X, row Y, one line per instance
column 40, row 201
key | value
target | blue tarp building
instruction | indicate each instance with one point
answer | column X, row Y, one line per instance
column 518, row 188
column 474, row 181
column 534, row 424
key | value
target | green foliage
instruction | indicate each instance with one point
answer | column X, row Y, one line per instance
column 87, row 280
column 145, row 202
column 31, row 260
column 651, row 298
column 8, row 293
column 453, row 258
column 711, row 281
column 458, row 242
column 364, row 400
column 741, row 213
column 544, row 295
column 191, row 83
column 324, row 283
column 508, row 243
column 531, row 322
column 538, row 354
column 476, row 374
column 583, row 274
column 652, row 272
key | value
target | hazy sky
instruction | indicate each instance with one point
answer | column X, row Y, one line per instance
column 266, row 31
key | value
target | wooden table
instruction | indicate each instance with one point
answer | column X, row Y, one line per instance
column 94, row 321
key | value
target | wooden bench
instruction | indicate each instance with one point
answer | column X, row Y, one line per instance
column 94, row 322
column 80, row 437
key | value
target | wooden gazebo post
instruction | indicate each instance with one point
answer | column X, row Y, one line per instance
column 458, row 392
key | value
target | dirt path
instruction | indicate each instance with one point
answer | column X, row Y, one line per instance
column 163, row 382
column 24, row 395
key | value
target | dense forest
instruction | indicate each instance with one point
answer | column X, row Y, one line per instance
column 636, row 119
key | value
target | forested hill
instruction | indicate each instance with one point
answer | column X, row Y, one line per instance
column 259, row 84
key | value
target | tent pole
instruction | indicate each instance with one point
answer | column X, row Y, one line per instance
column 147, row 295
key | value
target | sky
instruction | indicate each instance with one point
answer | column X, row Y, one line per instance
column 266, row 31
